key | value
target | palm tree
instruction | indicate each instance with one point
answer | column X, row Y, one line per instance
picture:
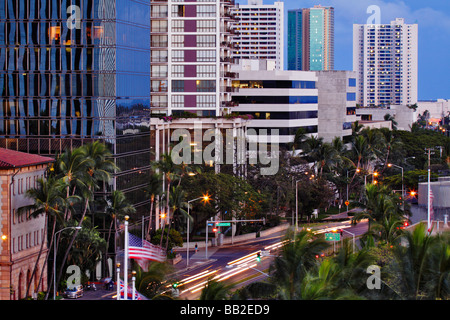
column 390, row 117
column 154, row 189
column 99, row 170
column 415, row 262
column 117, row 207
column 72, row 168
column 177, row 204
column 295, row 259
column 216, row 290
column 389, row 229
column 152, row 283
column 48, row 200
column 169, row 171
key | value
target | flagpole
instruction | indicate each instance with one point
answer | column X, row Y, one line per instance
column 125, row 262
column 133, row 287
column 429, row 190
column 118, row 281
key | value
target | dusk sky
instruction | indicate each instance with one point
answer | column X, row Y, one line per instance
column 432, row 16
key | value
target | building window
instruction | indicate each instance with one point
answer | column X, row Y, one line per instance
column 206, row 26
column 159, row 11
column 159, row 71
column 178, row 71
column 159, row 86
column 206, row 10
column 178, row 101
column 177, row 41
column 206, row 85
column 206, row 55
column 206, row 101
column 177, row 55
column 206, row 41
column 206, row 71
column 159, row 26
column 351, row 96
column 177, row 25
column 159, row 55
column 158, row 41
column 158, row 101
column 178, row 10
column 177, row 85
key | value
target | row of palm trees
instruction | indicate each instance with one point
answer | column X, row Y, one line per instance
column 370, row 150
column 66, row 196
column 414, row 264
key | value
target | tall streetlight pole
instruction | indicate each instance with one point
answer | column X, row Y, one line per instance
column 429, row 190
column 54, row 257
column 296, row 205
column 205, row 198
column 403, row 188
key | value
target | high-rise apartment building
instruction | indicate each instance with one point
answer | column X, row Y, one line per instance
column 191, row 54
column 385, row 57
column 311, row 39
column 259, row 32
column 72, row 72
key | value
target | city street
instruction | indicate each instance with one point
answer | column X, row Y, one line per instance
column 235, row 263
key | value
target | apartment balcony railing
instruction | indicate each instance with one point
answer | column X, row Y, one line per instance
column 228, row 74
column 229, row 89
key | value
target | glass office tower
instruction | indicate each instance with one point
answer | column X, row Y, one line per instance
column 311, row 38
column 75, row 71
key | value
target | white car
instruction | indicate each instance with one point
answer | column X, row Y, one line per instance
column 74, row 293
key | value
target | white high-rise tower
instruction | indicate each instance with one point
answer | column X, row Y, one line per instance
column 385, row 57
column 259, row 32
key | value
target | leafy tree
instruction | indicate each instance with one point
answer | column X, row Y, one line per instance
column 175, row 240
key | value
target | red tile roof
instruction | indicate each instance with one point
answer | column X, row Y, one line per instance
column 15, row 159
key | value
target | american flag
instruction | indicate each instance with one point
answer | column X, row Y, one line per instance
column 140, row 249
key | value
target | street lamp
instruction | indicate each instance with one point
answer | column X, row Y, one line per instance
column 205, row 198
column 403, row 189
column 296, row 204
column 54, row 258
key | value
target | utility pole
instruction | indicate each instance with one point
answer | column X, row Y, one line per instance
column 429, row 190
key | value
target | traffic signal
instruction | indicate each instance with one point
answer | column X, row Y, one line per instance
column 214, row 229
column 258, row 257
column 175, row 285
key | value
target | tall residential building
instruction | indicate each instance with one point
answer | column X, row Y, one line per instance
column 259, row 32
column 72, row 72
column 311, row 39
column 191, row 55
column 385, row 57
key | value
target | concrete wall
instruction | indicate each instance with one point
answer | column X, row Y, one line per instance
column 244, row 237
column 333, row 87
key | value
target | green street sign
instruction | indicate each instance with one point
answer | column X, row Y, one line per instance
column 223, row 224
column 332, row 236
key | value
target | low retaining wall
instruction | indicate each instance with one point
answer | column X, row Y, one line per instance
column 228, row 240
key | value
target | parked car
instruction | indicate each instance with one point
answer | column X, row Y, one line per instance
column 74, row 293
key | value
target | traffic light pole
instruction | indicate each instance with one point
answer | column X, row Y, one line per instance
column 208, row 222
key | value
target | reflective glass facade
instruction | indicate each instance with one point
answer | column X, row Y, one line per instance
column 74, row 71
